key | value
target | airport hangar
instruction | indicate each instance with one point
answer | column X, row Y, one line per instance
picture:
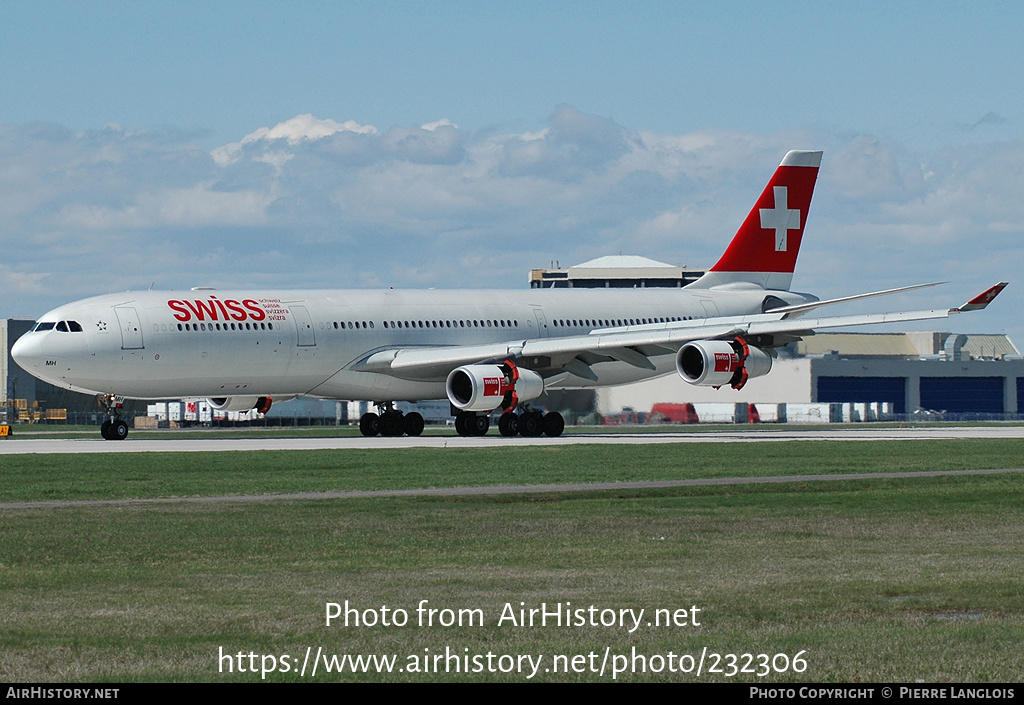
column 965, row 376
column 933, row 371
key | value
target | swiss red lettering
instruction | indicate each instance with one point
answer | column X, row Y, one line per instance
column 222, row 309
column 237, row 312
column 183, row 313
column 723, row 362
column 257, row 313
column 216, row 310
column 492, row 386
column 202, row 308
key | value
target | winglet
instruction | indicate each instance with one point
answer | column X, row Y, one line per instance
column 983, row 299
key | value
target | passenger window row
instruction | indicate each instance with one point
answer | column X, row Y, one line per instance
column 615, row 322
column 224, row 326
column 396, row 325
column 417, row 324
column 76, row 327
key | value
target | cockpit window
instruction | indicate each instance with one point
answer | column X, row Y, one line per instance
column 62, row 326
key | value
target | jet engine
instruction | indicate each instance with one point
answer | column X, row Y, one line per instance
column 261, row 404
column 712, row 363
column 486, row 387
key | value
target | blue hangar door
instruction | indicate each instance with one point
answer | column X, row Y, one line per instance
column 872, row 389
column 965, row 395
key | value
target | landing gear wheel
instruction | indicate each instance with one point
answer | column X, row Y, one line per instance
column 508, row 424
column 413, row 424
column 554, row 424
column 478, row 425
column 468, row 423
column 391, row 424
column 531, row 424
column 114, row 428
column 369, row 424
column 118, row 430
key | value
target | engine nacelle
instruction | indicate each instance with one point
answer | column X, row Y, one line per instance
column 486, row 387
column 261, row 404
column 712, row 363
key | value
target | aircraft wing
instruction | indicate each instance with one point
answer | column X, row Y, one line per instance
column 799, row 309
column 635, row 345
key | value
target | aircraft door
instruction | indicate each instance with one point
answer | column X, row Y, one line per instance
column 542, row 323
column 303, row 326
column 131, row 328
column 710, row 310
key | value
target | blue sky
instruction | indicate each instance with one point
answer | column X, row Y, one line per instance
column 553, row 131
column 910, row 70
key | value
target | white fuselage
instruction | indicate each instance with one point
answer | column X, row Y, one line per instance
column 207, row 343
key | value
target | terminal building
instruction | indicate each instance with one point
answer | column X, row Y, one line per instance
column 617, row 271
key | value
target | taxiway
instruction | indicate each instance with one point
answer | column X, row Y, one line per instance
column 260, row 441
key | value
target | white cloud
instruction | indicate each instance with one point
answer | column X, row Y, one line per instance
column 202, row 206
column 300, row 128
column 22, row 283
column 443, row 122
column 196, row 206
column 307, row 127
column 439, row 143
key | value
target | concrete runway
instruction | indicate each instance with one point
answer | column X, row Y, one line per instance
column 18, row 445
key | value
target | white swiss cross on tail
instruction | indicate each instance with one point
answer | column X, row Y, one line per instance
column 754, row 256
column 781, row 219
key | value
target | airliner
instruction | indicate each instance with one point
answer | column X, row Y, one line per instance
column 482, row 350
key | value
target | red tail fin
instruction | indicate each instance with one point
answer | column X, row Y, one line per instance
column 764, row 249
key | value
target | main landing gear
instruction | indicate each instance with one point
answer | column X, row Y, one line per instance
column 390, row 422
column 530, row 424
column 114, row 428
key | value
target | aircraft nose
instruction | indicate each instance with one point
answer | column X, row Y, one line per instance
column 27, row 351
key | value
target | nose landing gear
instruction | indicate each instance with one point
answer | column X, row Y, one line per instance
column 115, row 428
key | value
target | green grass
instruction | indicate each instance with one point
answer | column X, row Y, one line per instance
column 882, row 580
column 116, row 475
